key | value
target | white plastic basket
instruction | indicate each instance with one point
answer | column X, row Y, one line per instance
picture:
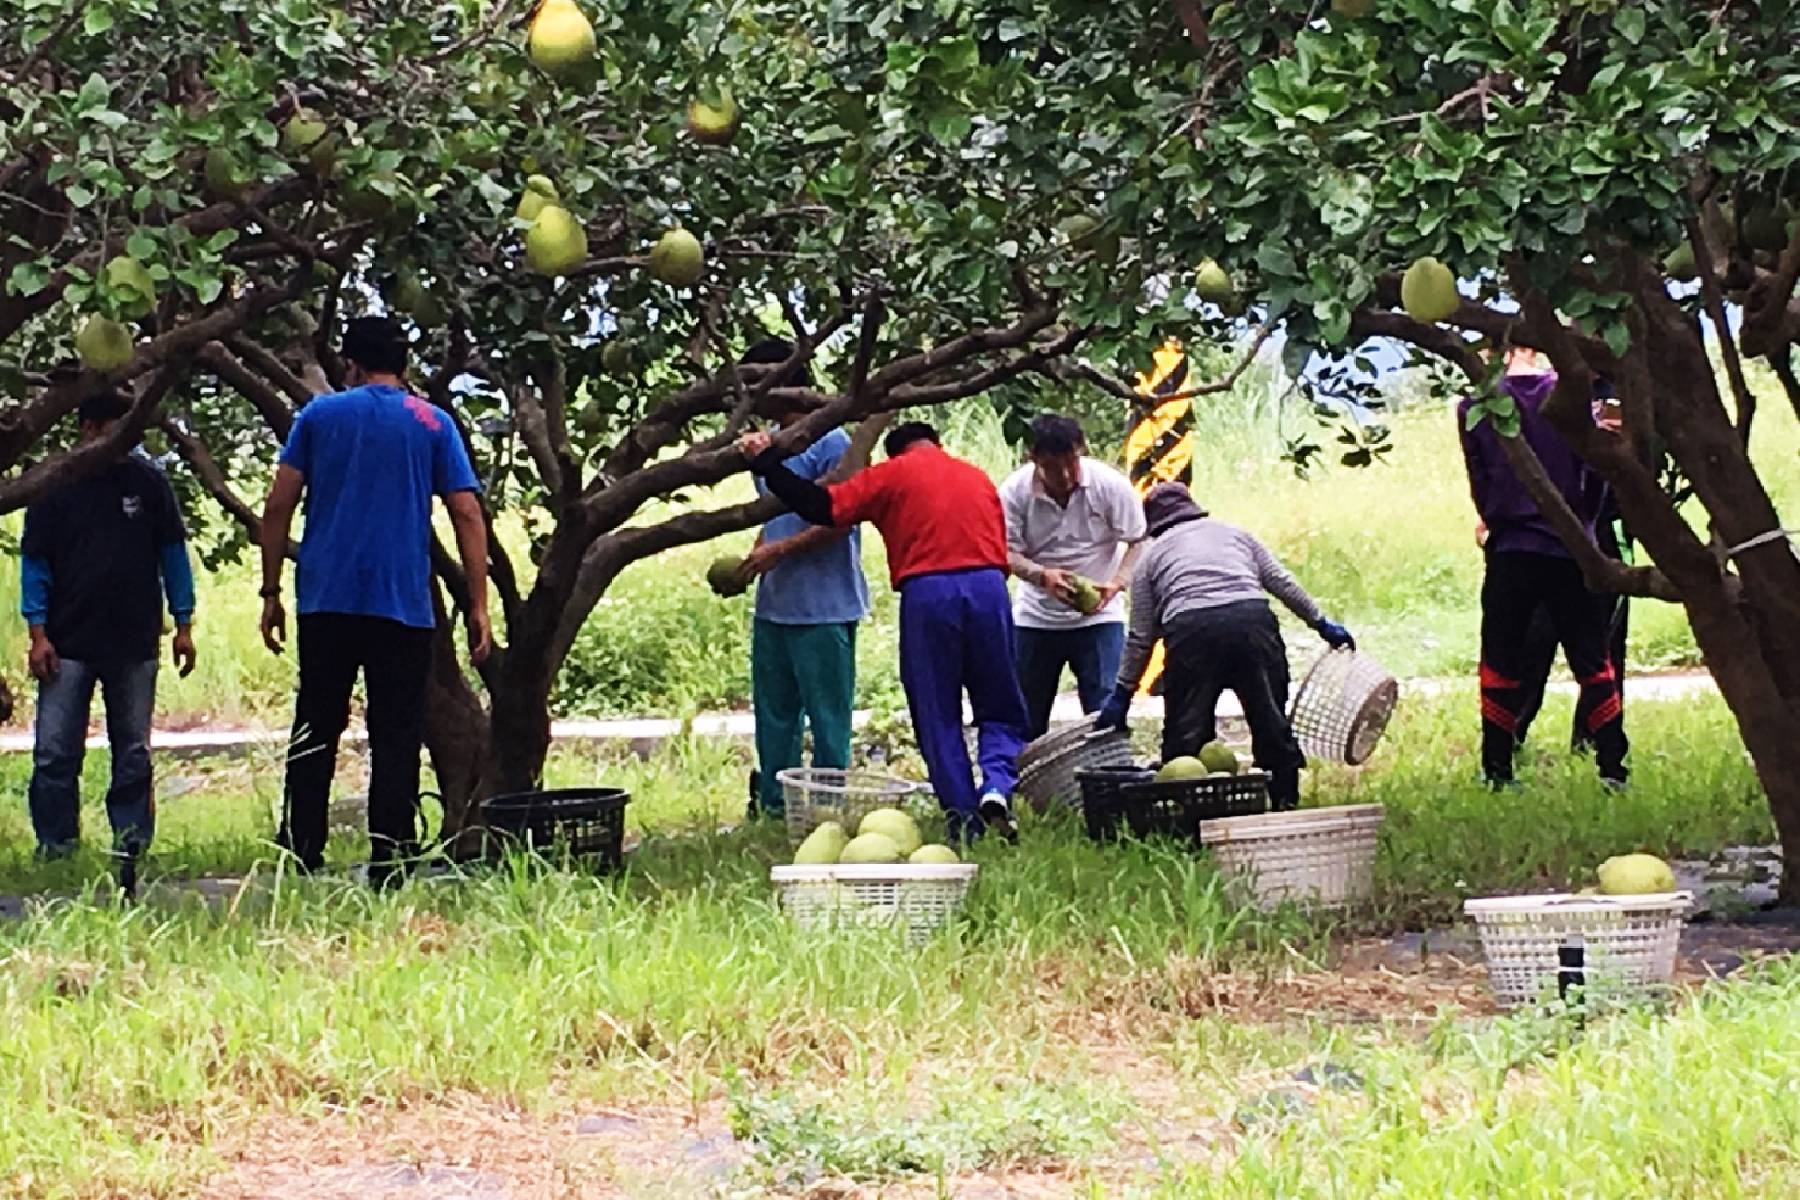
column 917, row 898
column 1048, row 765
column 1324, row 857
column 813, row 795
column 1628, row 943
column 1343, row 707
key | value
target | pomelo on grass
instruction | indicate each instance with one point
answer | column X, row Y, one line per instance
column 870, row 848
column 894, row 825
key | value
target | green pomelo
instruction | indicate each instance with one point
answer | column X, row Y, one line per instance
column 307, row 136
column 556, row 244
column 894, row 825
column 226, row 178
column 1218, row 758
column 1680, row 264
column 713, row 124
column 725, row 576
column 618, row 357
column 104, row 345
column 1635, row 875
column 540, row 193
column 870, row 848
column 1079, row 230
column 1352, row 8
column 1185, row 767
column 561, row 37
column 677, row 259
column 129, row 281
column 935, row 854
column 822, row 846
column 1212, row 283
column 1428, row 291
column 1086, row 596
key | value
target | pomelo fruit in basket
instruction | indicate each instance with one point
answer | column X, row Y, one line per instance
column 894, row 825
column 822, row 846
column 871, row 848
column 1219, row 759
column 1184, row 767
column 935, row 855
column 1635, row 875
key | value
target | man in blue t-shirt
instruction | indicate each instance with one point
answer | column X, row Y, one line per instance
column 803, row 641
column 97, row 557
column 368, row 461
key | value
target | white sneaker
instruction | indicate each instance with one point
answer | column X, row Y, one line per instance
column 997, row 814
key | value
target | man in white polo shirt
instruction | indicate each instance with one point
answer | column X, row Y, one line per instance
column 1068, row 516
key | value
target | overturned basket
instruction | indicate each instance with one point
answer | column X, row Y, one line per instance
column 813, row 795
column 1321, row 857
column 917, row 898
column 1343, row 707
column 1617, row 948
column 1048, row 766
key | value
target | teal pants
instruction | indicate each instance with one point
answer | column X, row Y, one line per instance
column 800, row 675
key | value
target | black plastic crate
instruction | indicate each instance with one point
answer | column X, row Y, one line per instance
column 1170, row 808
column 582, row 825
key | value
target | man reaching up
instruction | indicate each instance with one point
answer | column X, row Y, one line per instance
column 946, row 544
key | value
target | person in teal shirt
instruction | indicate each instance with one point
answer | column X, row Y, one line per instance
column 810, row 596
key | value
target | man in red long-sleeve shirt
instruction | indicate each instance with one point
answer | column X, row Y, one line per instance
column 946, row 542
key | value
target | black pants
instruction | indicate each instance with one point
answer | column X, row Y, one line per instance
column 1235, row 647
column 395, row 660
column 1516, row 586
column 1541, row 644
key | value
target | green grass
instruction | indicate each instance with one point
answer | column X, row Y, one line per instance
column 139, row 1037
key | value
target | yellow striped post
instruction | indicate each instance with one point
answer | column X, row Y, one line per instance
column 1160, row 446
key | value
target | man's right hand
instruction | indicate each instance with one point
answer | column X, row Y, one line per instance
column 751, row 445
column 481, row 636
column 274, row 624
column 43, row 660
column 1059, row 583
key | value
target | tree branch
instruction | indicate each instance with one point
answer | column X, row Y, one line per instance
column 1714, row 301
column 58, row 470
column 206, row 469
column 263, row 397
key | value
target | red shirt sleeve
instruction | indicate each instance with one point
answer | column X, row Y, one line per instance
column 865, row 495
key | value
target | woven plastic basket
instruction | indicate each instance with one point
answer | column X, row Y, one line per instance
column 814, row 795
column 1048, row 767
column 1322, row 857
column 915, row 898
column 1628, row 944
column 1343, row 707
column 579, row 825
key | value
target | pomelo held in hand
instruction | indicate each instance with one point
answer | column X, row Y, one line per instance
column 871, row 848
column 935, row 855
column 1428, row 291
column 1635, row 875
column 561, row 37
column 103, row 344
column 894, row 825
column 676, row 259
column 823, row 846
column 556, row 244
column 1219, row 759
column 1085, row 594
column 726, row 576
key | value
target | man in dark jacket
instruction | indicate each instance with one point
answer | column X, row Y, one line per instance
column 1528, row 567
column 1202, row 587
column 97, row 558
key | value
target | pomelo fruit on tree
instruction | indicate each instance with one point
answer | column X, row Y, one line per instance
column 129, row 281
column 677, row 259
column 540, row 193
column 561, row 37
column 713, row 124
column 226, row 178
column 822, row 846
column 1635, row 875
column 1219, row 759
column 871, row 848
column 1352, row 8
column 1680, row 264
column 618, row 356
column 556, row 243
column 894, row 825
column 307, row 136
column 1184, row 767
column 1428, row 291
column 725, row 576
column 1212, row 283
column 935, row 854
column 103, row 344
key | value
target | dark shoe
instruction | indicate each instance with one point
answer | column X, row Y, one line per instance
column 997, row 814
column 49, row 852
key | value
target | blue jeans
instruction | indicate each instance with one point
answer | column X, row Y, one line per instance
column 1092, row 653
column 956, row 636
column 129, row 690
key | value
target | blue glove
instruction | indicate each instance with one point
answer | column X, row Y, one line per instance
column 1113, row 713
column 1336, row 636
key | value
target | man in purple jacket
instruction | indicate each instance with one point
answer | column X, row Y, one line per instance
column 1528, row 567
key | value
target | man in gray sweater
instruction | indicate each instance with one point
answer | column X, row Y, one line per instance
column 1202, row 587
